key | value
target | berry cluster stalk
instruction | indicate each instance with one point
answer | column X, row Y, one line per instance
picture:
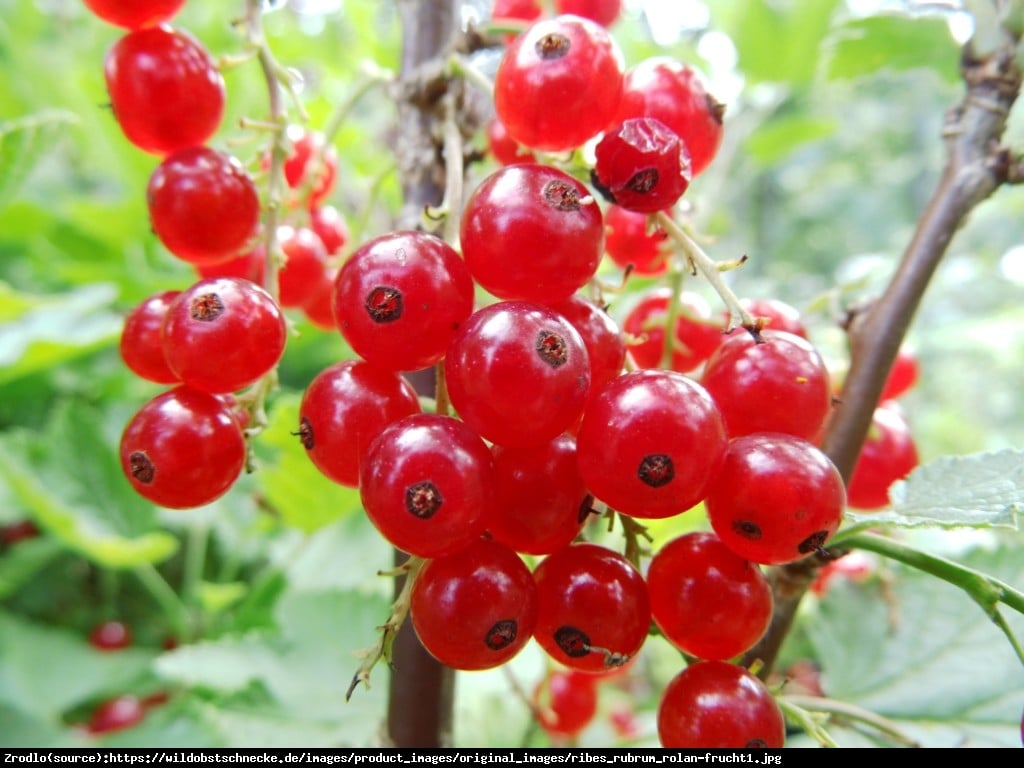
column 977, row 164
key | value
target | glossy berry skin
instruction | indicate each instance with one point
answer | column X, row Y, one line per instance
column 251, row 265
column 427, row 484
column 331, row 227
column 714, row 704
column 131, row 14
column 604, row 12
column 777, row 315
column 319, row 305
column 593, row 610
column 706, row 600
column 475, row 608
column 780, row 385
column 777, row 498
column 903, row 374
column 503, row 148
column 676, row 94
column 541, row 503
column 650, row 442
column 343, row 408
column 203, row 205
column 641, row 165
column 631, row 243
column 698, row 333
column 116, row 714
column 532, row 232
column 889, row 453
column 110, row 636
column 182, row 449
column 165, row 91
column 301, row 163
column 517, row 373
column 400, row 297
column 304, row 267
column 566, row 702
column 606, row 347
column 559, row 83
column 141, row 343
column 222, row 334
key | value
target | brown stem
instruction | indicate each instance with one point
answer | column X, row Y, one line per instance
column 975, row 167
column 421, row 690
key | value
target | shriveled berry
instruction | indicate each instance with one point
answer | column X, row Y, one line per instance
column 642, row 165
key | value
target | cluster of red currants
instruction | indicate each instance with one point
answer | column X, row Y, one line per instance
column 186, row 446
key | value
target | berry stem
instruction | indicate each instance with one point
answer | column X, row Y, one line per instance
column 807, row 712
column 173, row 608
column 712, row 272
column 464, row 68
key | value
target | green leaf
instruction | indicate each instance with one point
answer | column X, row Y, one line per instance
column 24, row 141
column 777, row 138
column 918, row 651
column 19, row 564
column 978, row 491
column 895, row 42
column 41, row 332
column 292, row 484
column 45, row 671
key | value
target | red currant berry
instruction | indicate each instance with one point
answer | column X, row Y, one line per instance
column 400, row 297
column 633, row 244
column 641, row 165
column 310, row 154
column 532, row 233
column 344, row 407
column 776, row 499
column 141, row 343
column 517, row 373
column 604, row 12
column 903, row 375
column 427, row 484
column 331, row 227
column 593, row 611
column 182, row 449
column 505, row 149
column 606, row 348
column 889, row 453
column 475, row 608
column 164, row 88
column 249, row 266
column 714, row 704
column 319, row 305
column 203, row 205
column 566, row 702
column 117, row 714
column 676, row 94
column 13, row 533
column 698, row 333
column 522, row 10
column 222, row 334
column 708, row 601
column 650, row 442
column 559, row 83
column 778, row 385
column 777, row 314
column 541, row 502
column 130, row 14
column 110, row 636
column 304, row 267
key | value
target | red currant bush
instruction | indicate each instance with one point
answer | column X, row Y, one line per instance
column 532, row 232
column 203, row 205
column 776, row 499
column 427, row 484
column 675, row 94
column 182, row 449
column 164, row 88
column 517, row 373
column 593, row 610
column 889, row 453
column 641, row 165
column 650, row 442
column 559, row 83
column 141, row 343
column 541, row 503
column 706, row 600
column 475, row 608
column 714, row 704
column 344, row 407
column 400, row 297
column 778, row 385
column 133, row 15
column 222, row 334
